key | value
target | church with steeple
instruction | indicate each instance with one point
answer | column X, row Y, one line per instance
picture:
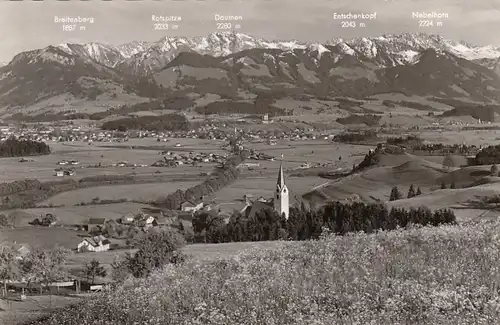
column 281, row 196
column 279, row 203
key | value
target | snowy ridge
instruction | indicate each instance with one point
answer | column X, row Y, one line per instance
column 320, row 49
column 400, row 45
column 148, row 57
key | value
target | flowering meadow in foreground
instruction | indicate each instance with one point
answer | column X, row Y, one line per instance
column 423, row 275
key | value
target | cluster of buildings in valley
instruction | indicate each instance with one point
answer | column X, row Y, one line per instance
column 97, row 242
column 172, row 159
column 71, row 133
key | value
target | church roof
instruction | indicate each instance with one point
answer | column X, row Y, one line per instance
column 256, row 206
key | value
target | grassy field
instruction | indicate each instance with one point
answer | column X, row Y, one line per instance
column 42, row 167
column 376, row 183
column 46, row 237
column 196, row 252
column 17, row 312
column 469, row 137
column 71, row 215
column 444, row 275
column 313, row 151
column 457, row 199
column 133, row 192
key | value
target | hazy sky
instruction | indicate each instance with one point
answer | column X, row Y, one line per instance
column 26, row 25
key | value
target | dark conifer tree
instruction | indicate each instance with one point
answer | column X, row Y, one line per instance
column 411, row 192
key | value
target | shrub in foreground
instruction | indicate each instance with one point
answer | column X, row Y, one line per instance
column 424, row 275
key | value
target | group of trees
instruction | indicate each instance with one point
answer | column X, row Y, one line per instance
column 38, row 266
column 371, row 158
column 234, row 107
column 367, row 119
column 26, row 193
column 18, row 148
column 220, row 177
column 440, row 148
column 46, row 220
column 483, row 112
column 168, row 122
column 452, row 185
column 41, row 267
column 155, row 249
column 403, row 140
column 405, row 103
column 304, row 224
column 397, row 195
column 7, row 221
column 353, row 137
column 494, row 170
column 488, row 156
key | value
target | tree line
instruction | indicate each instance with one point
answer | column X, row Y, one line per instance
column 488, row 156
column 353, row 137
column 304, row 223
column 168, row 122
column 13, row 147
column 219, row 178
column 234, row 107
column 397, row 195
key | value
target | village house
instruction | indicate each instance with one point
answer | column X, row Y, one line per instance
column 69, row 172
column 145, row 221
column 95, row 224
column 60, row 172
column 20, row 250
column 127, row 219
column 188, row 206
column 161, row 221
column 94, row 244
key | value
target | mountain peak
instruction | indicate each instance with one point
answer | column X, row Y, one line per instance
column 387, row 50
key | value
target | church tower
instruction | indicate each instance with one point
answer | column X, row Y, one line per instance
column 281, row 196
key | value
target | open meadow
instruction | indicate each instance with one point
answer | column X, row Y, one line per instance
column 71, row 215
column 147, row 152
column 132, row 192
column 478, row 137
column 422, row 276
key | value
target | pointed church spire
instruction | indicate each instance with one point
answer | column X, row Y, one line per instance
column 281, row 178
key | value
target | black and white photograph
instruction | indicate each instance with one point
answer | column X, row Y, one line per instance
column 249, row 162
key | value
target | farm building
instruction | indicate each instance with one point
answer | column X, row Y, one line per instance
column 64, row 172
column 94, row 244
column 127, row 219
column 188, row 206
column 95, row 224
column 21, row 250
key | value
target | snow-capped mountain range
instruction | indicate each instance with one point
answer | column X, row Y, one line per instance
column 141, row 58
column 231, row 64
